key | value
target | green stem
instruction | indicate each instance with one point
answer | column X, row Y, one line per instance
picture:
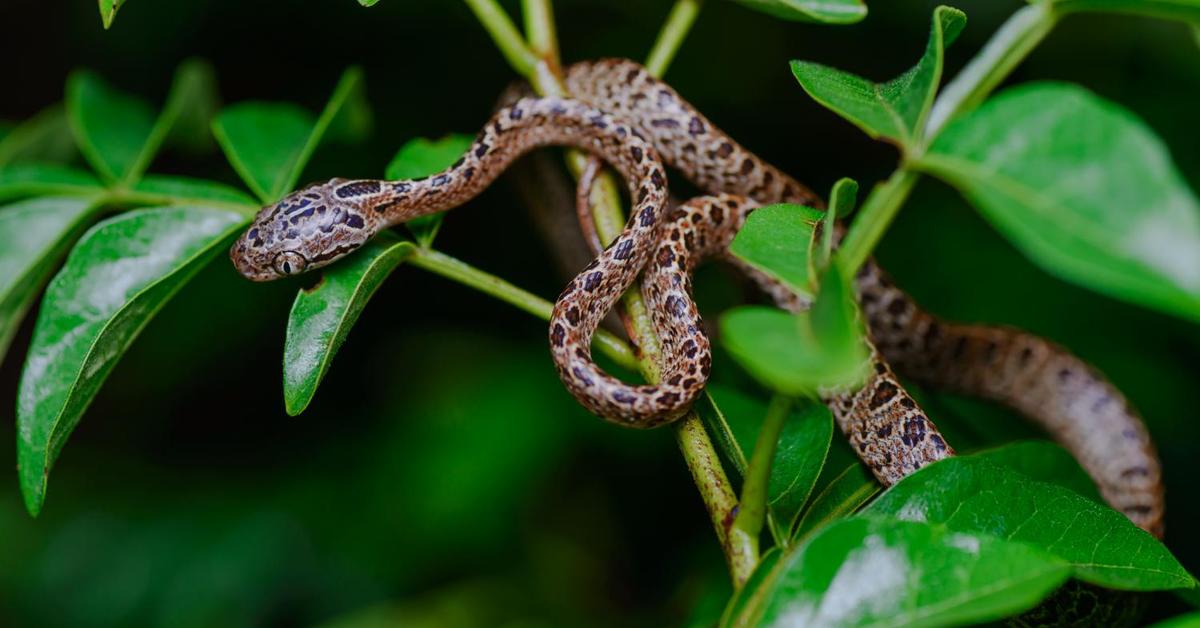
column 752, row 511
column 539, row 28
column 456, row 270
column 874, row 219
column 505, row 34
column 671, row 36
column 1007, row 48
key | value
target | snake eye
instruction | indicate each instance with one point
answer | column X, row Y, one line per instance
column 290, row 263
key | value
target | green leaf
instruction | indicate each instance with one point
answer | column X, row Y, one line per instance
column 165, row 189
column 270, row 143
column 885, row 572
column 110, row 126
column 422, row 157
column 1083, row 188
column 799, row 354
column 799, row 452
column 322, row 316
column 193, row 102
column 823, row 11
column 841, row 203
column 34, row 236
column 895, row 110
column 115, row 280
column 43, row 180
column 1046, row 462
column 972, row 495
column 845, row 494
column 45, row 138
column 108, row 11
column 1182, row 10
column 368, row 3
column 776, row 240
column 264, row 143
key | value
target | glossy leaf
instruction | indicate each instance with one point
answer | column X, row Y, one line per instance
column 270, row 143
column 34, row 236
column 108, row 11
column 845, row 494
column 776, row 240
column 110, row 126
column 22, row 180
column 116, row 279
column 972, row 495
column 895, row 110
column 885, row 572
column 422, row 157
column 799, row 354
column 322, row 316
column 1083, row 188
column 44, row 138
column 368, row 3
column 826, row 11
column 1046, row 462
column 155, row 189
column 264, row 143
column 799, row 452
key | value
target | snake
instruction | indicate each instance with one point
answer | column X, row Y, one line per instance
column 638, row 124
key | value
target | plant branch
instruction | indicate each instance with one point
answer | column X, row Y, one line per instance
column 456, row 270
column 505, row 34
column 539, row 28
column 698, row 451
column 674, row 30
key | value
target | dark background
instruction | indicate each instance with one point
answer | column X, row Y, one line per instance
column 442, row 476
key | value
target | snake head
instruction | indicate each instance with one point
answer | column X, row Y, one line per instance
column 307, row 229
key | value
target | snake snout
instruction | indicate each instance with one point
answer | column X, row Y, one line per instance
column 244, row 259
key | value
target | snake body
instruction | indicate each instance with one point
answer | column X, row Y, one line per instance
column 633, row 121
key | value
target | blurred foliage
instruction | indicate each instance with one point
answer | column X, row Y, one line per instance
column 443, row 477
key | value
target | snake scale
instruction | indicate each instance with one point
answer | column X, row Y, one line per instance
column 635, row 122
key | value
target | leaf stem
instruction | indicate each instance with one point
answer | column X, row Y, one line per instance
column 1007, row 48
column 539, row 28
column 505, row 34
column 457, row 270
column 873, row 220
column 752, row 512
column 673, row 32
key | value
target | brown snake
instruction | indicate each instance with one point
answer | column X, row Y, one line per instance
column 634, row 121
